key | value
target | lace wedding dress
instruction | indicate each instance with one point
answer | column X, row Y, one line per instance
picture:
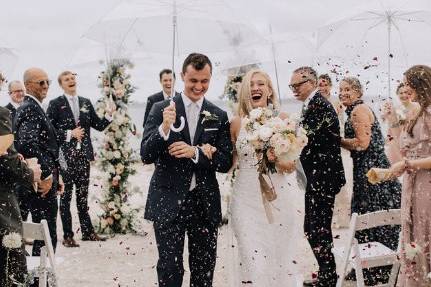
column 276, row 254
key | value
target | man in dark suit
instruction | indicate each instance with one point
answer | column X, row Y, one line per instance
column 12, row 171
column 16, row 93
column 167, row 79
column 321, row 161
column 36, row 137
column 184, row 195
column 73, row 117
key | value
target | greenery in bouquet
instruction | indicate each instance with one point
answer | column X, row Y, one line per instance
column 115, row 155
column 267, row 133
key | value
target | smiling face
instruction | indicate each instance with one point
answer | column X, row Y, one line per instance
column 260, row 91
column 37, row 83
column 301, row 85
column 405, row 94
column 324, row 88
column 68, row 84
column 167, row 81
column 348, row 95
column 196, row 82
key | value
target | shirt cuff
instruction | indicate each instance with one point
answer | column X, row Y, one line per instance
column 195, row 159
column 162, row 133
column 68, row 135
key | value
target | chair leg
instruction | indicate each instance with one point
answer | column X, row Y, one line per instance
column 358, row 266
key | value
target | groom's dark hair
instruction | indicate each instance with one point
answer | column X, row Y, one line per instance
column 309, row 71
column 198, row 62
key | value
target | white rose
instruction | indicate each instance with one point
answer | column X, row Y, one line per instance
column 281, row 146
column 125, row 209
column 255, row 114
column 253, row 139
column 290, row 124
column 109, row 155
column 117, row 177
column 256, row 126
column 117, row 154
column 119, row 168
column 268, row 113
column 265, row 133
column 110, row 168
column 114, row 127
column 117, row 216
column 124, row 222
column 118, row 134
column 111, row 205
column 12, row 240
column 118, row 84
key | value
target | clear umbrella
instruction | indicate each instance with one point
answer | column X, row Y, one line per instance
column 8, row 61
column 384, row 32
column 174, row 27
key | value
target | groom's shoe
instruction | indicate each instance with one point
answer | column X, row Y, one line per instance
column 70, row 242
column 93, row 237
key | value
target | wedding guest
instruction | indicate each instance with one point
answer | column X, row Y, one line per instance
column 16, row 93
column 364, row 138
column 167, row 80
column 342, row 199
column 415, row 143
column 73, row 117
column 12, row 171
column 396, row 119
column 36, row 137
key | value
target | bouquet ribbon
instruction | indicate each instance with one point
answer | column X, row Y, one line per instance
column 268, row 194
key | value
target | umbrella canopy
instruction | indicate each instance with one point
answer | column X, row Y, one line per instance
column 384, row 38
column 8, row 61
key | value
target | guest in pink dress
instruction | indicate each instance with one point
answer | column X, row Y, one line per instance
column 415, row 143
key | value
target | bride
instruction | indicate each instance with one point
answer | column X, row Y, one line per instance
column 268, row 254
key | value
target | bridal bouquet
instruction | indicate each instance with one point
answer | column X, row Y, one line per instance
column 270, row 135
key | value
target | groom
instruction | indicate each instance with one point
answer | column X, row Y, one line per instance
column 184, row 194
column 321, row 161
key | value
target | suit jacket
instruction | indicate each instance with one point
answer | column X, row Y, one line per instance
column 157, row 97
column 12, row 110
column 12, row 171
column 61, row 116
column 172, row 177
column 35, row 136
column 321, row 157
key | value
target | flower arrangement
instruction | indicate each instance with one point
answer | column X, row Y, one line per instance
column 115, row 156
column 268, row 133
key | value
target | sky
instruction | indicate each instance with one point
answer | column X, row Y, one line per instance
column 50, row 34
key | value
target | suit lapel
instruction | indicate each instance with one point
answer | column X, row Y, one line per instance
column 199, row 126
column 181, row 111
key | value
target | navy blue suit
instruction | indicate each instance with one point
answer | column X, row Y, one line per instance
column 77, row 160
column 175, row 209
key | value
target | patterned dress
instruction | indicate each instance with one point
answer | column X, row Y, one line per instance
column 368, row 197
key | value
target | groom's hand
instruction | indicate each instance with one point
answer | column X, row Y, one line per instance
column 182, row 150
column 169, row 115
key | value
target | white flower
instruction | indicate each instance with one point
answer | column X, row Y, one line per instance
column 110, row 168
column 119, row 169
column 253, row 139
column 84, row 109
column 268, row 113
column 265, row 133
column 103, row 223
column 114, row 127
column 290, row 124
column 124, row 222
column 125, row 209
column 255, row 114
column 206, row 113
column 117, row 84
column 412, row 249
column 109, row 155
column 12, row 240
column 111, row 204
column 117, row 216
column 118, row 134
column 117, row 154
column 117, row 177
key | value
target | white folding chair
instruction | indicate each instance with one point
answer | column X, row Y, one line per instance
column 40, row 231
column 370, row 254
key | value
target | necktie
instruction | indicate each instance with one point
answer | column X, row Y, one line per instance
column 192, row 120
column 75, row 109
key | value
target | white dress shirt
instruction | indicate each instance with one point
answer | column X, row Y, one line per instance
column 192, row 124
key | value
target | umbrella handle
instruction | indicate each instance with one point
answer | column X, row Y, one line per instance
column 181, row 127
column 182, row 124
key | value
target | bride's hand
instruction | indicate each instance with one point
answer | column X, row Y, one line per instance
column 208, row 150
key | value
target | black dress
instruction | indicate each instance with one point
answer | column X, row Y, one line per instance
column 368, row 197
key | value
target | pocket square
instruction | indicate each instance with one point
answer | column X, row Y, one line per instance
column 211, row 129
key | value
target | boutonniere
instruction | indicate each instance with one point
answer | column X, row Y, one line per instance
column 207, row 116
column 84, row 109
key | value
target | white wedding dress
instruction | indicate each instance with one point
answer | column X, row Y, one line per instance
column 267, row 255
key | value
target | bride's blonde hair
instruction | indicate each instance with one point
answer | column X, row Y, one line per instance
column 244, row 93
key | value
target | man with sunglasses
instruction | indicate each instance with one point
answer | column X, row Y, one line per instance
column 321, row 161
column 35, row 136
column 73, row 116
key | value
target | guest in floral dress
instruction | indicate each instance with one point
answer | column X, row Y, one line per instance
column 415, row 143
column 364, row 139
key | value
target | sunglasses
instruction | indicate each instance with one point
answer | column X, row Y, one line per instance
column 42, row 82
column 297, row 85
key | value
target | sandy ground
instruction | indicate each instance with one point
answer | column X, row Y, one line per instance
column 129, row 260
